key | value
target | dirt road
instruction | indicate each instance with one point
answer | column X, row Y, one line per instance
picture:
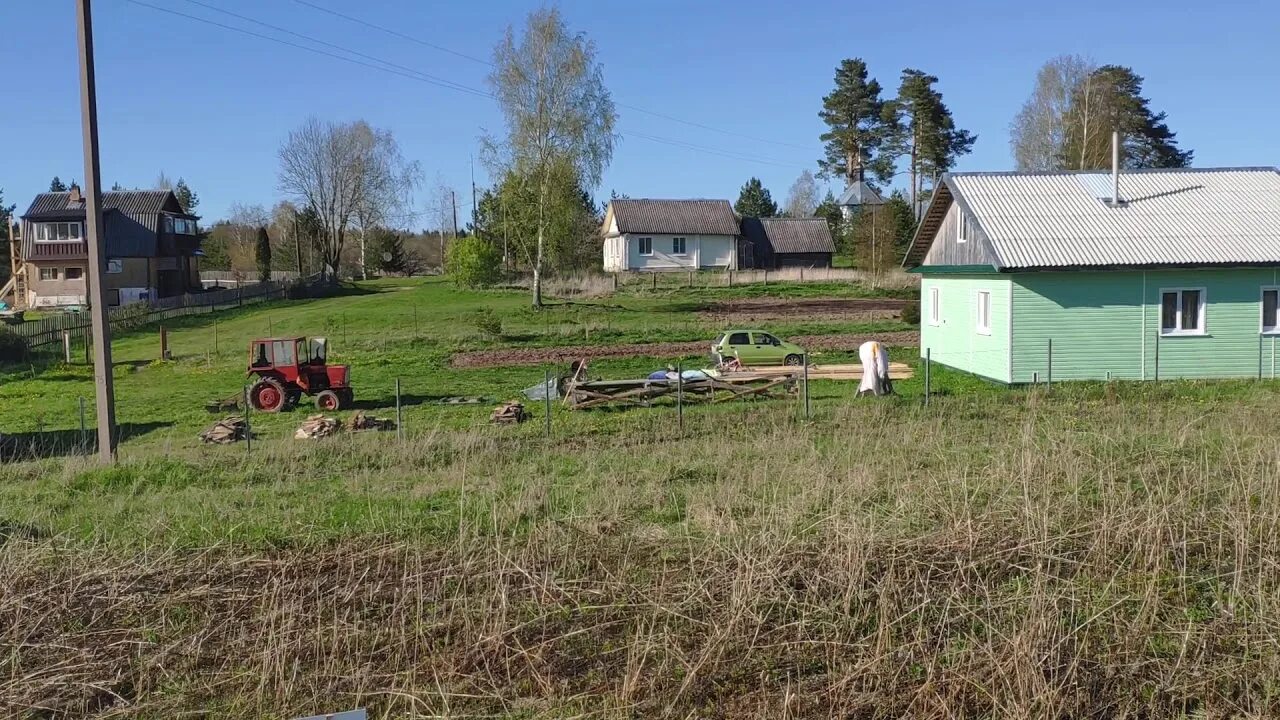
column 568, row 353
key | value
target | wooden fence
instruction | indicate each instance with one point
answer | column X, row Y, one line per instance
column 49, row 332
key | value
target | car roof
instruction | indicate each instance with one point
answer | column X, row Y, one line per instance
column 746, row 330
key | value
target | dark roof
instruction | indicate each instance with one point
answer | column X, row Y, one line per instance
column 675, row 217
column 135, row 203
column 790, row 235
column 859, row 194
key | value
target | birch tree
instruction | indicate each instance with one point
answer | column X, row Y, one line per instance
column 802, row 199
column 558, row 114
column 1038, row 133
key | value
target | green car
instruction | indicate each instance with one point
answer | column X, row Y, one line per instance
column 756, row 347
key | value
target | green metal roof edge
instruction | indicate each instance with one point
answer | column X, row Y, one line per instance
column 952, row 269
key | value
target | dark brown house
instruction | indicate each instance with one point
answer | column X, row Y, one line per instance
column 787, row 243
column 152, row 249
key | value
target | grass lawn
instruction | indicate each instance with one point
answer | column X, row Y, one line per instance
column 1099, row 550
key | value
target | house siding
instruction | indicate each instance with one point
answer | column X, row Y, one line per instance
column 1109, row 322
column 955, row 341
column 701, row 251
column 946, row 248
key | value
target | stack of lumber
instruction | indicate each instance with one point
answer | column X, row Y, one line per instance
column 580, row 395
column 318, row 426
column 509, row 413
column 360, row 422
column 226, row 431
column 897, row 371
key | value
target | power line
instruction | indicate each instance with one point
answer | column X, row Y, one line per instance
column 412, row 74
column 670, row 118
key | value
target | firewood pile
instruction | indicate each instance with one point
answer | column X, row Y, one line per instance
column 318, row 426
column 509, row 413
column 360, row 422
column 226, row 431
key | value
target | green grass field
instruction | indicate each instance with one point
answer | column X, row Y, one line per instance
column 1099, row 550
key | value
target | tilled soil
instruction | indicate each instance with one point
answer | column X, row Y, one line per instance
column 765, row 309
column 568, row 353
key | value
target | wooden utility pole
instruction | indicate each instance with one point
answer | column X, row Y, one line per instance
column 297, row 242
column 453, row 198
column 96, row 295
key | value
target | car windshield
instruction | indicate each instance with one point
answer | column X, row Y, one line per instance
column 719, row 339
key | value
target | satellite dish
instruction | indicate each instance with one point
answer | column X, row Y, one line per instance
column 386, row 257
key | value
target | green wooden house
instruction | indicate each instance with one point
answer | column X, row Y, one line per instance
column 1027, row 274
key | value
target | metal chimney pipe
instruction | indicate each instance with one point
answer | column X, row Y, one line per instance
column 1115, row 168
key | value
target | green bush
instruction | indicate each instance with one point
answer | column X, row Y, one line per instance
column 487, row 322
column 911, row 312
column 473, row 262
column 13, row 347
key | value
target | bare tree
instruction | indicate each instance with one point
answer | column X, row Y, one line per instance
column 340, row 170
column 802, row 199
column 389, row 184
column 163, row 182
column 1038, row 133
column 557, row 111
column 442, row 212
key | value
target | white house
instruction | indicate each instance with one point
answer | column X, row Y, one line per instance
column 663, row 235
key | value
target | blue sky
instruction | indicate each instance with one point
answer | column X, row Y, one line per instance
column 213, row 106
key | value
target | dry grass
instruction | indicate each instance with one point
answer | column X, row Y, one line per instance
column 1016, row 557
column 595, row 285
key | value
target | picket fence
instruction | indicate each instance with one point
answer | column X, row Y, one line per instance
column 50, row 331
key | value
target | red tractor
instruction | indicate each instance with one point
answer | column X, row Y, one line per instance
column 287, row 368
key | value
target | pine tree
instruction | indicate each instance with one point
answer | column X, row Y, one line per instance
column 1110, row 99
column 116, row 187
column 925, row 133
column 859, row 126
column 187, row 197
column 6, row 229
column 830, row 211
column 755, row 201
column 56, row 185
column 262, row 254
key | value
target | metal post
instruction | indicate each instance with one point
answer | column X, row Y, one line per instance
column 415, row 318
column 271, row 327
column 215, row 335
column 84, row 437
column 547, row 392
column 66, row 349
column 1157, row 357
column 399, row 414
column 680, row 397
column 928, row 370
column 96, row 292
column 655, row 281
column 344, row 329
column 1049, row 367
column 1259, row 356
column 808, row 409
column 248, row 428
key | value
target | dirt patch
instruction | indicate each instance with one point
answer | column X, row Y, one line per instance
column 568, row 353
column 767, row 309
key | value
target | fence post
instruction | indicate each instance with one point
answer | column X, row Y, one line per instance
column 928, row 372
column 1049, row 366
column 84, row 440
column 680, row 397
column 547, row 392
column 690, row 279
column 766, row 276
column 164, row 343
column 1259, row 356
column 655, row 280
column 808, row 409
column 215, row 336
column 248, row 428
column 801, row 274
column 399, row 415
column 66, row 350
column 1157, row 357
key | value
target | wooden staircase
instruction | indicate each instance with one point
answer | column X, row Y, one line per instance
column 17, row 285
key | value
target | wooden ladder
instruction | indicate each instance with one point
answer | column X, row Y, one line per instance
column 18, row 281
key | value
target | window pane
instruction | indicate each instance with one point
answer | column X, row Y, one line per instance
column 1190, row 309
column 1169, row 311
column 1270, row 300
column 75, row 231
column 739, row 339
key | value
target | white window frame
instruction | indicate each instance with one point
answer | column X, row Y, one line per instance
column 52, row 273
column 644, row 246
column 683, row 247
column 982, row 308
column 66, row 273
column 42, row 234
column 1176, row 331
column 935, row 305
column 962, row 226
column 1263, row 328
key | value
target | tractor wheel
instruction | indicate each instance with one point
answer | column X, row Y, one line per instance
column 328, row 400
column 268, row 395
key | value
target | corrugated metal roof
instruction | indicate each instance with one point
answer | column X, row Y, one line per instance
column 860, row 193
column 1228, row 216
column 135, row 203
column 675, row 217
column 790, row 235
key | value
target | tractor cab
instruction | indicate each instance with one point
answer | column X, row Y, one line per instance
column 288, row 368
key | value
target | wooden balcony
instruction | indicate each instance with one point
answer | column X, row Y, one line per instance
column 61, row 250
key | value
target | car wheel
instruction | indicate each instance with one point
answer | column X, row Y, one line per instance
column 793, row 360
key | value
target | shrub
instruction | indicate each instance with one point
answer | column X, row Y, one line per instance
column 911, row 312
column 13, row 347
column 487, row 322
column 473, row 262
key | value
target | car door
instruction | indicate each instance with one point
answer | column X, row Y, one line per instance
column 764, row 347
column 738, row 345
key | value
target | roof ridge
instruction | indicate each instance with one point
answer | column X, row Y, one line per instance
column 1133, row 171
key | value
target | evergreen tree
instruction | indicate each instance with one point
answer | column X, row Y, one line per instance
column 858, row 126
column 897, row 210
column 830, row 211
column 7, row 221
column 1110, row 99
column 116, row 187
column 389, row 247
column 925, row 133
column 56, row 185
column 262, row 255
column 755, row 201
column 187, row 197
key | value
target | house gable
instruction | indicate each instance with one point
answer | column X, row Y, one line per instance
column 950, row 249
